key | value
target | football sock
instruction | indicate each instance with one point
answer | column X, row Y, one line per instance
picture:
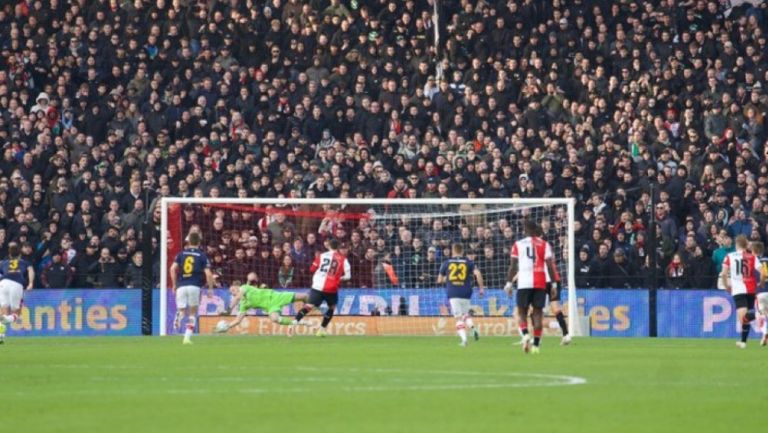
column 191, row 320
column 11, row 318
column 469, row 322
column 561, row 321
column 536, row 337
column 523, row 326
column 744, row 332
column 750, row 316
column 461, row 329
column 284, row 321
column 303, row 312
column 327, row 318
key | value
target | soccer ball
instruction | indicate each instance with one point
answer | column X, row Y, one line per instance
column 221, row 326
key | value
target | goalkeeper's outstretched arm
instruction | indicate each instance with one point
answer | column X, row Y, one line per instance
column 237, row 295
column 238, row 319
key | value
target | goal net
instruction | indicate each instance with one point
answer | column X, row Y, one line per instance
column 395, row 248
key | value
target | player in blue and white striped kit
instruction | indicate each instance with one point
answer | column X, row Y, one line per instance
column 458, row 273
column 17, row 275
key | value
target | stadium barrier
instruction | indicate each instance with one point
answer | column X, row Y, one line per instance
column 611, row 312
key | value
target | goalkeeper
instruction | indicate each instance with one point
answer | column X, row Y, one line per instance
column 249, row 296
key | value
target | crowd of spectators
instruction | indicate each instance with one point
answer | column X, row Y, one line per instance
column 107, row 105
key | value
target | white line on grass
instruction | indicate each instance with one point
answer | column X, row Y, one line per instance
column 513, row 380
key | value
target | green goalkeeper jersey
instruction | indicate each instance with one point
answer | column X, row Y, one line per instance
column 267, row 300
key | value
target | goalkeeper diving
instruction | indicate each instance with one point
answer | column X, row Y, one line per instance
column 249, row 296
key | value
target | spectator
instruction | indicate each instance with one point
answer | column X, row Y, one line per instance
column 134, row 276
column 621, row 273
column 147, row 110
column 492, row 266
column 86, row 266
column 601, row 267
column 108, row 273
column 584, row 270
column 362, row 276
column 57, row 275
column 725, row 243
column 677, row 273
column 285, row 275
column 385, row 276
column 703, row 273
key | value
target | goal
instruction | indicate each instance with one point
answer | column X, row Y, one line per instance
column 395, row 248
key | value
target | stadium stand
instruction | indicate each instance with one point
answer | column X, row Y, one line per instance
column 107, row 105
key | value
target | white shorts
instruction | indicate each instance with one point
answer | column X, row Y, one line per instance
column 762, row 303
column 187, row 296
column 11, row 294
column 459, row 307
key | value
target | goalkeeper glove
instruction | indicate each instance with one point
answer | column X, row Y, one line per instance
column 509, row 287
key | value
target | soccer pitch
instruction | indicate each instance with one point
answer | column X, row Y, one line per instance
column 351, row 384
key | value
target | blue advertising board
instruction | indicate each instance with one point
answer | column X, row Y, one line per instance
column 698, row 314
column 612, row 312
column 80, row 312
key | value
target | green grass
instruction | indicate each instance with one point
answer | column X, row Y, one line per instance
column 378, row 384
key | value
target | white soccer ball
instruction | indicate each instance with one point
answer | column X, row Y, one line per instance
column 221, row 326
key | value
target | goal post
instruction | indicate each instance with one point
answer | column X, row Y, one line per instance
column 395, row 247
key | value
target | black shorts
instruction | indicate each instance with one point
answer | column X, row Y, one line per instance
column 554, row 295
column 528, row 297
column 317, row 297
column 744, row 300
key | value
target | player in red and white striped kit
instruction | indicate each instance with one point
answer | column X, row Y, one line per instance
column 530, row 257
column 330, row 269
column 741, row 276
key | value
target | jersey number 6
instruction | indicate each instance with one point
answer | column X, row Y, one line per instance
column 189, row 265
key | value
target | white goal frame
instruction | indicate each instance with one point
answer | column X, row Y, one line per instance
column 573, row 312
